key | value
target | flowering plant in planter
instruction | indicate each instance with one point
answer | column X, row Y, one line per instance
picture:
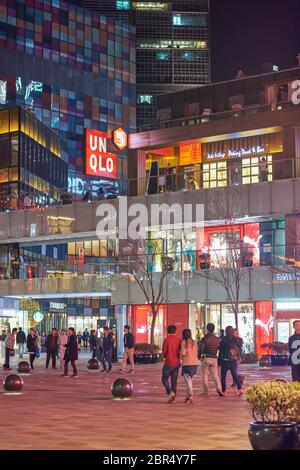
column 274, row 407
column 272, row 401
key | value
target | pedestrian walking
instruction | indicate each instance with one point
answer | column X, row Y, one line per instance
column 190, row 362
column 43, row 342
column 208, row 353
column 71, row 354
column 128, row 350
column 32, row 345
column 239, row 360
column 93, row 343
column 108, row 343
column 63, row 339
column 294, row 349
column 85, row 338
column 2, row 343
column 171, row 352
column 79, row 340
column 99, row 343
column 229, row 355
column 21, row 341
column 9, row 347
column 52, row 348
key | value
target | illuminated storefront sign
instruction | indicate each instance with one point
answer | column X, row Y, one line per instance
column 243, row 152
column 190, row 153
column 98, row 162
column 38, row 316
column 57, row 306
column 119, row 138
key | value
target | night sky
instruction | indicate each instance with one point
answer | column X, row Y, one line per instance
column 247, row 33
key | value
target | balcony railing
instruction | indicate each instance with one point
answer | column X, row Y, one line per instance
column 220, row 174
column 279, row 257
column 207, row 116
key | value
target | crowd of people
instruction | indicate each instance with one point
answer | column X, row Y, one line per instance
column 210, row 353
column 65, row 345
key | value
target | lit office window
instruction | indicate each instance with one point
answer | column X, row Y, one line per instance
column 163, row 56
column 145, row 99
column 123, row 5
column 189, row 20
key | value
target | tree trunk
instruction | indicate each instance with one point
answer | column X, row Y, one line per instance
column 236, row 315
column 154, row 312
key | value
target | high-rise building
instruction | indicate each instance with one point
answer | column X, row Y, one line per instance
column 73, row 69
column 173, row 46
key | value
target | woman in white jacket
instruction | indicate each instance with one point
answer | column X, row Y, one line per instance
column 63, row 339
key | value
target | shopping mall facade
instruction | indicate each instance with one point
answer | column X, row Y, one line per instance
column 237, row 141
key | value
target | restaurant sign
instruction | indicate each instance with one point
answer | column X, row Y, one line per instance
column 237, row 153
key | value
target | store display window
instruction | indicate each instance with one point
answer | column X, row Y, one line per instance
column 245, row 323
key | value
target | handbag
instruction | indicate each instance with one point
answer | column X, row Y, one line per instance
column 11, row 352
column 37, row 352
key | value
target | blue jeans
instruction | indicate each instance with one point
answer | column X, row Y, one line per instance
column 107, row 358
column 225, row 367
column 167, row 373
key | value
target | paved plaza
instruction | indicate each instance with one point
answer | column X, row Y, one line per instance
column 54, row 412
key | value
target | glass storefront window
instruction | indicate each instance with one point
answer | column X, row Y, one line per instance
column 252, row 169
column 245, row 323
column 214, row 175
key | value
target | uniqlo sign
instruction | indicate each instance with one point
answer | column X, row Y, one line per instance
column 98, row 162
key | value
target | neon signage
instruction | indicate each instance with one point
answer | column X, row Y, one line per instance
column 98, row 161
column 119, row 138
column 243, row 152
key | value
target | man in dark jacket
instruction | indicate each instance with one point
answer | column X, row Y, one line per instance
column 294, row 348
column 209, row 348
column 129, row 349
column 71, row 354
column 21, row 340
column 93, row 343
column 51, row 346
column 107, row 350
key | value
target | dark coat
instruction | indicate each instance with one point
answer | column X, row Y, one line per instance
column 51, row 343
column 31, row 343
column 71, row 353
column 21, row 337
column 128, row 340
column 108, row 342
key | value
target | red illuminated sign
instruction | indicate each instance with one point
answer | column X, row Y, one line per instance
column 119, row 138
column 98, row 161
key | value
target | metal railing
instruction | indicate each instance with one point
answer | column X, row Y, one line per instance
column 222, row 174
column 207, row 116
column 250, row 255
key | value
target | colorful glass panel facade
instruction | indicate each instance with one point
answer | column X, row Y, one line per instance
column 76, row 70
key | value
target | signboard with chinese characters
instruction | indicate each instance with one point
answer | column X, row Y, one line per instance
column 98, row 161
column 190, row 153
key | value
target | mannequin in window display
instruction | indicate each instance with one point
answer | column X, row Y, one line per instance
column 187, row 256
column 204, row 260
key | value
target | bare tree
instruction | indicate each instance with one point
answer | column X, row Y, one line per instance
column 227, row 267
column 137, row 259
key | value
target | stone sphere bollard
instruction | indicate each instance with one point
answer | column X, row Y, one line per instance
column 122, row 388
column 23, row 367
column 93, row 364
column 13, row 383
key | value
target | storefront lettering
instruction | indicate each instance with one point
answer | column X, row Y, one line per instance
column 243, row 152
column 288, row 276
column 98, row 162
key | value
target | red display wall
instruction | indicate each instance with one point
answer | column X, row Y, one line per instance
column 264, row 329
column 175, row 314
